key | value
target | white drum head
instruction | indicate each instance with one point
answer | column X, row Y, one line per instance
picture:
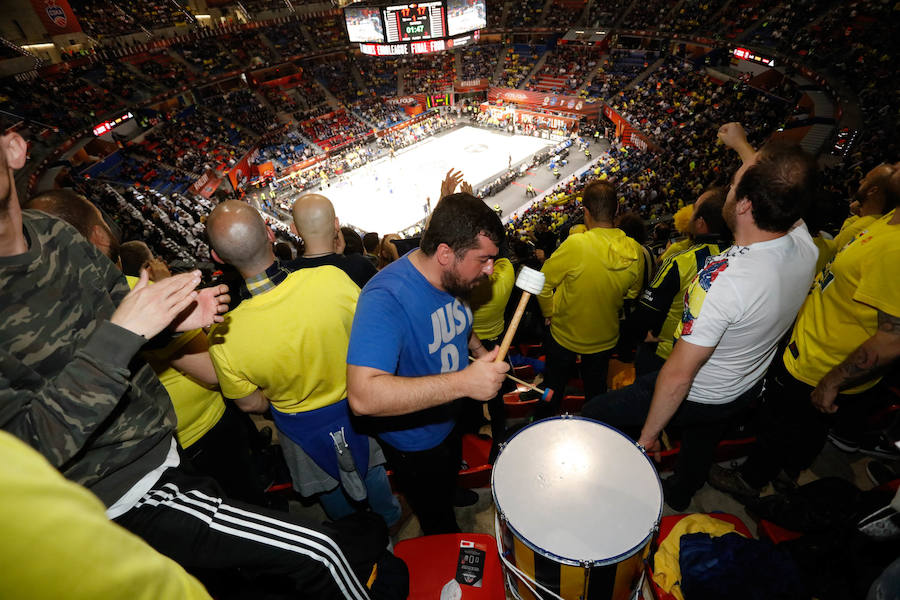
column 577, row 490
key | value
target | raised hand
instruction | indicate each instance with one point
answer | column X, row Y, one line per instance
column 451, row 180
column 208, row 307
column 148, row 309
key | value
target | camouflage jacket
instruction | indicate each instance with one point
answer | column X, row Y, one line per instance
column 71, row 384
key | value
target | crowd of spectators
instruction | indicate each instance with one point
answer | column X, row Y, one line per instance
column 195, row 140
column 286, row 152
column 159, row 67
column 379, row 75
column 527, row 13
column 248, row 48
column 562, row 14
column 494, row 13
column 102, row 20
column 141, row 170
column 479, row 62
column 333, row 73
column 123, row 82
column 738, row 17
column 157, row 14
column 618, row 69
column 243, row 107
column 517, row 63
column 678, row 106
column 206, row 56
column 328, row 31
column 379, row 113
column 396, row 139
column 646, row 15
column 571, row 63
column 255, row 7
column 288, row 39
column 692, row 14
column 34, row 106
column 334, row 129
column 425, row 73
column 601, row 14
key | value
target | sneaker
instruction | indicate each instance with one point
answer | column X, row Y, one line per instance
column 883, row 524
column 731, row 482
column 843, row 443
column 881, row 447
column 463, row 497
column 880, row 473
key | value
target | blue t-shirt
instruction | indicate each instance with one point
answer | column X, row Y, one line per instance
column 406, row 326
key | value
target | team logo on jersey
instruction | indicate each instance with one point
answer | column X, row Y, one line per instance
column 56, row 14
column 696, row 293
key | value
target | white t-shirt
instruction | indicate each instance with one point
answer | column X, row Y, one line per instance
column 742, row 302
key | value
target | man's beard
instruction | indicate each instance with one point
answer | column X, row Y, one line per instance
column 455, row 286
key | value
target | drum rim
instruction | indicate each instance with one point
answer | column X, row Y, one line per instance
column 571, row 561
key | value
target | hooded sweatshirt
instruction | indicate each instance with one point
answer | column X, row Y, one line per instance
column 587, row 280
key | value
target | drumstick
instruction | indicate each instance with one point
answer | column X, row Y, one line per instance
column 530, row 282
column 664, row 438
column 545, row 394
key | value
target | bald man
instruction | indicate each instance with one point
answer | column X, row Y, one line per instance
column 868, row 204
column 284, row 348
column 316, row 223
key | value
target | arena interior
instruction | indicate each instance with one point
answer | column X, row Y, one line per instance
column 159, row 112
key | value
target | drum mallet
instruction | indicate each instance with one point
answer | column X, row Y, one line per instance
column 531, row 282
column 545, row 394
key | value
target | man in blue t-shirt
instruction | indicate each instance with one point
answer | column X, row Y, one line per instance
column 409, row 347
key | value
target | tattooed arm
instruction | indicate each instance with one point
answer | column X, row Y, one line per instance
column 863, row 363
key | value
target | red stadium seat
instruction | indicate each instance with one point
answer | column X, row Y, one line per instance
column 432, row 562
column 475, row 452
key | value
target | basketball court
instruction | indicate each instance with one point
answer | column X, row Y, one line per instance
column 389, row 195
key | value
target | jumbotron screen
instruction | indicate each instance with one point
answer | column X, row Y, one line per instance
column 465, row 15
column 364, row 24
column 413, row 22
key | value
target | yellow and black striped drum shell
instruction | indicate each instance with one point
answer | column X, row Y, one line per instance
column 578, row 505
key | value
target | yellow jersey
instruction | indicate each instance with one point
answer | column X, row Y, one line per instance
column 587, row 280
column 664, row 297
column 59, row 543
column 841, row 311
column 674, row 248
column 489, row 300
column 290, row 341
column 198, row 407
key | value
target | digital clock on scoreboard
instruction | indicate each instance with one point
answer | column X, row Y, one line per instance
column 414, row 22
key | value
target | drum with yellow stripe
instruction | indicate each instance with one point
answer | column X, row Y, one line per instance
column 578, row 504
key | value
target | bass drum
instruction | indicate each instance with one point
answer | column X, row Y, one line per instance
column 578, row 504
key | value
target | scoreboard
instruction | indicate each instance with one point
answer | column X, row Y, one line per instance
column 414, row 22
column 415, row 27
